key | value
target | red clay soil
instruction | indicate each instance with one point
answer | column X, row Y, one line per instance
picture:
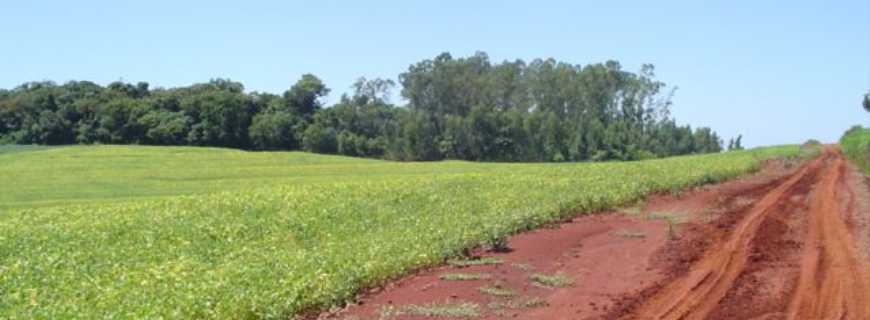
column 790, row 256
column 775, row 245
column 833, row 282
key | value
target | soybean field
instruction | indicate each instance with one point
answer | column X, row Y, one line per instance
column 103, row 232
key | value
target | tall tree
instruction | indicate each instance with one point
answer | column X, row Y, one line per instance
column 304, row 96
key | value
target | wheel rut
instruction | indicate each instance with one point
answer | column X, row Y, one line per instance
column 832, row 283
column 825, row 279
column 698, row 293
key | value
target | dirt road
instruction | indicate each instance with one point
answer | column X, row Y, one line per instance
column 833, row 278
column 786, row 243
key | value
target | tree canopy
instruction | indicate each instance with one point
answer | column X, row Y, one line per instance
column 456, row 108
column 866, row 102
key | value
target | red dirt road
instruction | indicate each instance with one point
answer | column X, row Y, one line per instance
column 833, row 280
column 785, row 243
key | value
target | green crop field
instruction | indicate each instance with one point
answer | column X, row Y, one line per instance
column 856, row 147
column 174, row 232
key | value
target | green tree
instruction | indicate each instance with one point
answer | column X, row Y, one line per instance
column 275, row 130
column 303, row 98
column 51, row 128
column 320, row 137
column 866, row 102
column 113, row 122
column 220, row 114
column 164, row 127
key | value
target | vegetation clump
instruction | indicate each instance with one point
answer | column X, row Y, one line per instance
column 522, row 303
column 446, row 310
column 497, row 291
column 856, row 146
column 553, row 281
column 467, row 262
column 464, row 276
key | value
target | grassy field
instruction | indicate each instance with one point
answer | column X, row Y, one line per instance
column 67, row 175
column 11, row 148
column 856, row 147
column 148, row 232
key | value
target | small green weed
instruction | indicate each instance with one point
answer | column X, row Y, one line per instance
column 524, row 303
column 474, row 262
column 445, row 310
column 464, row 276
column 552, row 281
column 497, row 290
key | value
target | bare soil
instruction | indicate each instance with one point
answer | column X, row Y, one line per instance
column 790, row 242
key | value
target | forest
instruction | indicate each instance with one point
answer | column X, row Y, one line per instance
column 466, row 108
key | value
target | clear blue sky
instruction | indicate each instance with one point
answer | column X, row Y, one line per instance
column 775, row 72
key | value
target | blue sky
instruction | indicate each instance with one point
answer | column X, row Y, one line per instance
column 777, row 72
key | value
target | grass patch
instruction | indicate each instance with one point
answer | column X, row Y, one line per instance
column 523, row 303
column 464, row 276
column 664, row 216
column 443, row 310
column 474, row 262
column 557, row 280
column 497, row 290
column 388, row 312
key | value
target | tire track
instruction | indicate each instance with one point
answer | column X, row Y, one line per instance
column 832, row 283
column 832, row 280
column 698, row 293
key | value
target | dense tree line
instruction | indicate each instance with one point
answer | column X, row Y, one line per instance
column 456, row 108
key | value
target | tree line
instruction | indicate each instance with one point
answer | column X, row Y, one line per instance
column 454, row 108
